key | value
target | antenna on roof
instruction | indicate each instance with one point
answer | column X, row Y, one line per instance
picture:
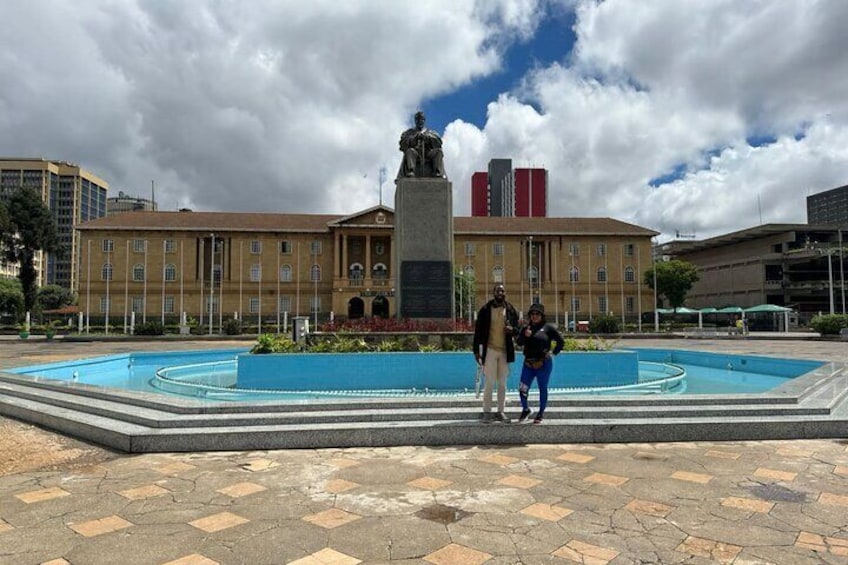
column 679, row 235
column 152, row 196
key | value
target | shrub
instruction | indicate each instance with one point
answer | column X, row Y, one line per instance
column 605, row 324
column 272, row 343
column 153, row 327
column 829, row 324
column 233, row 326
column 589, row 344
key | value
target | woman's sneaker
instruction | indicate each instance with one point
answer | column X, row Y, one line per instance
column 524, row 415
column 500, row 417
column 538, row 419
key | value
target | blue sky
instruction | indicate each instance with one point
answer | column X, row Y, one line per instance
column 692, row 117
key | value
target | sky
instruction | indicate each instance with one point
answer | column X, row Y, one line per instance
column 697, row 117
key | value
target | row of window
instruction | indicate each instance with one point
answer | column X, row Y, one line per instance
column 170, row 245
column 170, row 272
column 603, row 305
column 170, row 304
column 573, row 249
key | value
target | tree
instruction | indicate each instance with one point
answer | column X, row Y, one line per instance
column 674, row 280
column 31, row 229
column 53, row 297
column 11, row 299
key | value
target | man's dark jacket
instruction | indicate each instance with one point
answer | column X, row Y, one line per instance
column 481, row 330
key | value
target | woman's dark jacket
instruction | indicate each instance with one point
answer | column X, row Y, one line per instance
column 538, row 345
column 481, row 330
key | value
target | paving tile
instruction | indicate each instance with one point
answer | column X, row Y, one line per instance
column 453, row 554
column 822, row 544
column 335, row 486
column 723, row 454
column 518, row 481
column 241, row 489
column 573, row 457
column 794, row 452
column 586, row 553
column 140, row 493
column 749, row 504
column 841, row 470
column 774, row 474
column 604, row 479
column 332, row 518
column 710, row 549
column 343, row 463
column 59, row 561
column 649, row 507
column 5, row 526
column 174, row 468
column 832, row 499
column 326, row 556
column 259, row 465
column 193, row 559
column 429, row 483
column 41, row 495
column 498, row 459
column 218, row 522
column 699, row 478
column 549, row 512
column 101, row 526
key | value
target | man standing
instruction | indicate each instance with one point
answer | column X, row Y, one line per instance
column 497, row 324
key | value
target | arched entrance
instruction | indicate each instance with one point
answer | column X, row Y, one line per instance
column 380, row 307
column 355, row 308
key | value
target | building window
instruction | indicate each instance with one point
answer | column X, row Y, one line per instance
column 212, row 305
column 104, row 305
column 533, row 274
column 629, row 275
column 255, row 273
column 106, row 272
column 138, row 304
column 139, row 245
column 138, row 272
column 498, row 249
column 314, row 304
column 285, row 304
column 602, row 274
column 255, row 246
column 574, row 249
column 470, row 249
column 629, row 304
column 254, row 305
column 285, row 273
column 170, row 273
column 602, row 304
column 575, row 304
column 108, row 245
column 470, row 271
column 315, row 247
column 628, row 250
column 286, row 247
column 574, row 275
column 315, row 273
column 357, row 271
column 602, row 249
column 169, row 305
column 497, row 274
column 380, row 273
column 216, row 274
column 170, row 246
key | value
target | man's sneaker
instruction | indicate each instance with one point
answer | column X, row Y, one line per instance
column 486, row 418
column 500, row 417
column 524, row 415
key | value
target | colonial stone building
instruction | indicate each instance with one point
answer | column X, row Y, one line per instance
column 271, row 267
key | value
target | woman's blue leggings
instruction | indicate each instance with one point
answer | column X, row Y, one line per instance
column 542, row 375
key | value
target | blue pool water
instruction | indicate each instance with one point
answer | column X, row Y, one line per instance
column 705, row 373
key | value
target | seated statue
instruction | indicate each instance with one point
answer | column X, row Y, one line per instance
column 422, row 151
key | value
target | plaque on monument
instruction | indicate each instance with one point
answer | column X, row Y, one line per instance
column 427, row 289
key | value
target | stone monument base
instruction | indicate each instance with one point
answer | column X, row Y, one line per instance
column 424, row 248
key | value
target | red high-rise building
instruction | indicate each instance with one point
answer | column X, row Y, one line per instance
column 480, row 194
column 531, row 192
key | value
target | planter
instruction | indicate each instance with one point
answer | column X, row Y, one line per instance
column 49, row 335
column 24, row 334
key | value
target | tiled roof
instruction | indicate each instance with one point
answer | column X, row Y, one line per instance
column 258, row 222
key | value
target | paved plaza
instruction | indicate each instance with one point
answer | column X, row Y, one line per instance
column 782, row 502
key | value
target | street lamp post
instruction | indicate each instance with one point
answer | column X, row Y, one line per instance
column 211, row 280
column 654, row 263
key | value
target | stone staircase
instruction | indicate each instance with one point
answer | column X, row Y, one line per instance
column 813, row 406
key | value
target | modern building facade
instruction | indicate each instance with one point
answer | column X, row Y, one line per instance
column 270, row 267
column 794, row 265
column 73, row 194
column 504, row 192
column 126, row 203
column 829, row 207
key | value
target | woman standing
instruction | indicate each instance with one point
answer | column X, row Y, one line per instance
column 541, row 342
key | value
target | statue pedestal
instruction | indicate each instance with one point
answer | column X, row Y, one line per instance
column 424, row 248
